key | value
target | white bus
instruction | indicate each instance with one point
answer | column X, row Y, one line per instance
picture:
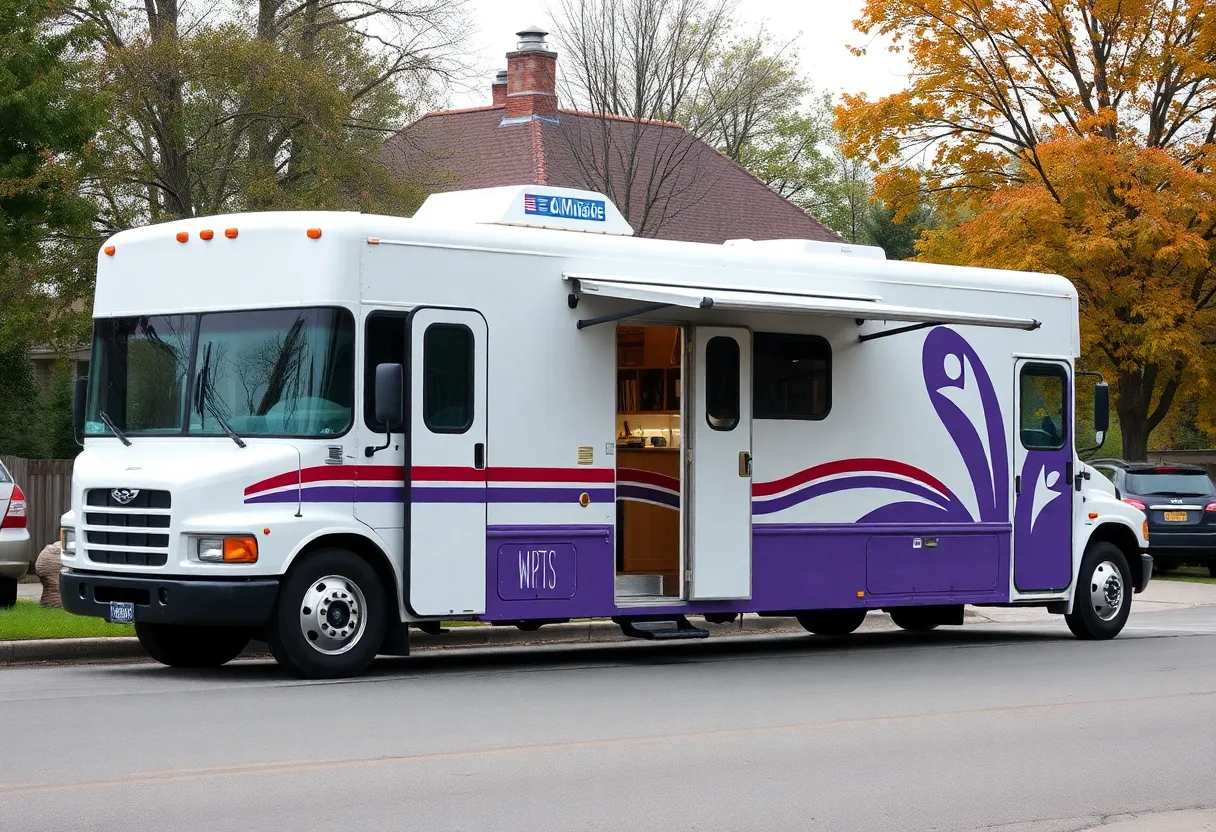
column 321, row 429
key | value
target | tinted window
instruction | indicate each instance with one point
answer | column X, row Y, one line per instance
column 722, row 383
column 385, row 345
column 447, row 369
column 141, row 369
column 1179, row 483
column 1042, row 424
column 792, row 376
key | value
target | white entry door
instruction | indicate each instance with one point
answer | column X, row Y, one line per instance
column 446, row 463
column 719, row 466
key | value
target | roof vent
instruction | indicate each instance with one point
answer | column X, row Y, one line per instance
column 820, row 247
column 532, row 39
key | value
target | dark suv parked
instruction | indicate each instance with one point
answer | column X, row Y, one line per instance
column 1180, row 503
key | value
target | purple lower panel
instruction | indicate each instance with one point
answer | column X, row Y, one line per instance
column 794, row 567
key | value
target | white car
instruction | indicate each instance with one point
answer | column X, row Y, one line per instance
column 14, row 538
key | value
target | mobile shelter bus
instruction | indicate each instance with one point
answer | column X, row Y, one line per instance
column 321, row 429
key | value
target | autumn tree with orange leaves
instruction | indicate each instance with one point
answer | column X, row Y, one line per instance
column 1076, row 137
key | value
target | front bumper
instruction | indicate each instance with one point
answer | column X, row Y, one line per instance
column 171, row 601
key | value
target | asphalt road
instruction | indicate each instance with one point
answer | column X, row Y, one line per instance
column 1013, row 727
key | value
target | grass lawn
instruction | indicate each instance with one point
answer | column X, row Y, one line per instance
column 29, row 620
column 1193, row 574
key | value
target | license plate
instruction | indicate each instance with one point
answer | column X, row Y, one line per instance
column 122, row 612
column 1175, row 517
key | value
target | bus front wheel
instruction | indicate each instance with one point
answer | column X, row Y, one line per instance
column 831, row 622
column 330, row 618
column 1103, row 598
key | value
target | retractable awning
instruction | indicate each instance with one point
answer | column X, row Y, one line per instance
column 657, row 296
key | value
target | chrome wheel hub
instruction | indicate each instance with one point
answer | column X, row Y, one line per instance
column 1106, row 590
column 333, row 615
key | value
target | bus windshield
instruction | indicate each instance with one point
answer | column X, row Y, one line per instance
column 279, row 372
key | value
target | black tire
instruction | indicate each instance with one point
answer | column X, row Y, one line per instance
column 8, row 593
column 1087, row 620
column 178, row 645
column 912, row 619
column 831, row 622
column 304, row 654
column 1212, row 569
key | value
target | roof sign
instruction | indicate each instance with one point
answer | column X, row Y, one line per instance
column 565, row 206
column 537, row 206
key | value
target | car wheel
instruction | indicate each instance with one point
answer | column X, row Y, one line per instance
column 330, row 617
column 8, row 593
column 1212, row 569
column 831, row 622
column 912, row 619
column 178, row 645
column 1103, row 595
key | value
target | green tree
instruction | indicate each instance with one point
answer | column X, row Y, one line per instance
column 897, row 239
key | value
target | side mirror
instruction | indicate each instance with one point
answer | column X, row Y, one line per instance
column 390, row 403
column 79, row 396
column 1101, row 408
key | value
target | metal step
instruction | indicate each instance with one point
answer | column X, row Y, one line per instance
column 676, row 627
column 628, row 586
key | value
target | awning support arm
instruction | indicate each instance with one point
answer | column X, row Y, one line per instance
column 900, row 331
column 619, row 316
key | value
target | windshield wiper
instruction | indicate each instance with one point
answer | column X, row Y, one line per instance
column 205, row 400
column 109, row 423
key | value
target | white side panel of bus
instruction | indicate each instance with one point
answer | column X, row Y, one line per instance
column 720, row 470
column 447, row 460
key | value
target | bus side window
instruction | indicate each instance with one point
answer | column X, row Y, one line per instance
column 447, row 378
column 1041, row 423
column 385, row 339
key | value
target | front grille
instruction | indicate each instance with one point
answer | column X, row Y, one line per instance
column 128, row 558
column 134, row 533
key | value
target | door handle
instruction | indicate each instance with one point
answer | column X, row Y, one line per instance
column 479, row 456
column 745, row 463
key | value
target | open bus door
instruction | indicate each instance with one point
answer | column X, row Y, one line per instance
column 719, row 425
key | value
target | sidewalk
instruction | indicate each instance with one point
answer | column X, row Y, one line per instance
column 1160, row 595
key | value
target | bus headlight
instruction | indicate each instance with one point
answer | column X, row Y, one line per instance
column 243, row 549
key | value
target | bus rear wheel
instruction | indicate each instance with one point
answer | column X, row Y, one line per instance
column 1103, row 598
column 831, row 622
column 330, row 618
column 913, row 619
column 180, row 645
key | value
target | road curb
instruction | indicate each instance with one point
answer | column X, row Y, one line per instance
column 591, row 631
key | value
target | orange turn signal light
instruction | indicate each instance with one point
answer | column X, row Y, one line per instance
column 313, row 233
column 1093, row 515
column 230, row 233
column 109, row 250
column 206, row 234
column 182, row 236
column 240, row 550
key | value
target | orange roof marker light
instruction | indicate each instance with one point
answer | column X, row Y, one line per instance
column 230, row 233
column 109, row 250
column 313, row 233
column 206, row 234
column 183, row 236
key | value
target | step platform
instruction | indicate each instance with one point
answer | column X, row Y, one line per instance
column 671, row 628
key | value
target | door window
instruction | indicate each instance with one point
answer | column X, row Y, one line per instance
column 722, row 383
column 447, row 372
column 385, row 345
column 1041, row 424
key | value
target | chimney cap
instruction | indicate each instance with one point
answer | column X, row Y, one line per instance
column 500, row 77
column 532, row 39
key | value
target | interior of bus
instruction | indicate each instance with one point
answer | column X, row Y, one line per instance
column 649, row 462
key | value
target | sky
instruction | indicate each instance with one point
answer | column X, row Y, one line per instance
column 824, row 30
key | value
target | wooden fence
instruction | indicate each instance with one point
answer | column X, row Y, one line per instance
column 47, row 484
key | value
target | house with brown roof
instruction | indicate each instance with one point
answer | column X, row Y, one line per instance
column 666, row 182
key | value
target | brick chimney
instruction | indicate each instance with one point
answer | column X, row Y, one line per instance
column 499, row 88
column 531, row 77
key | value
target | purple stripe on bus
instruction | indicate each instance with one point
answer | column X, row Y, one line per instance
column 653, row 495
column 289, row 496
column 846, row 484
column 439, row 494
